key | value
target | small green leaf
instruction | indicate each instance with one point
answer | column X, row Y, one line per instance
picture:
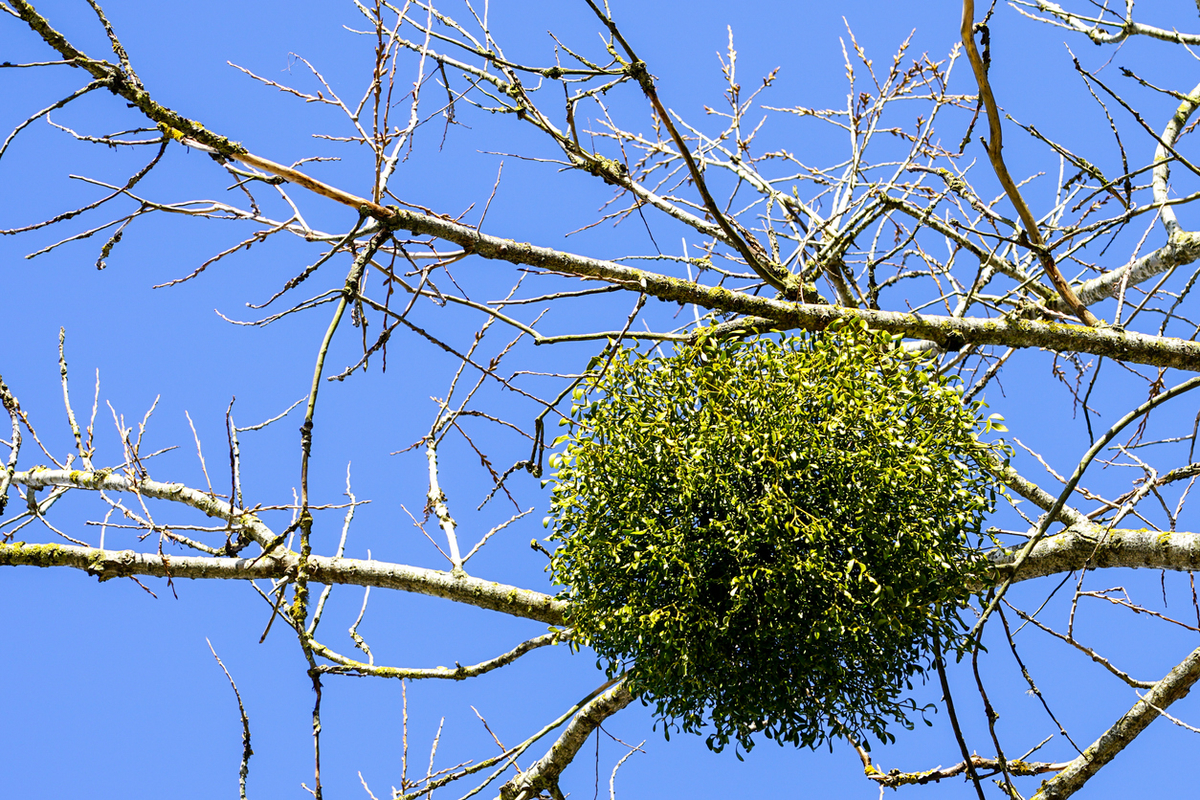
column 771, row 532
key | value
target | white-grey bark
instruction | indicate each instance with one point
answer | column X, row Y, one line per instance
column 107, row 564
column 543, row 775
column 1095, row 548
column 1175, row 685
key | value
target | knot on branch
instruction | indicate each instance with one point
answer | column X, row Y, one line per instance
column 391, row 221
column 106, row 565
column 953, row 342
column 523, row 788
column 116, row 82
column 608, row 170
column 637, row 70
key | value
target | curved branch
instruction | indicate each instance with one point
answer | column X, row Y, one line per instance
column 107, row 480
column 993, row 147
column 1182, row 248
column 1164, row 153
column 349, row 666
column 1124, row 28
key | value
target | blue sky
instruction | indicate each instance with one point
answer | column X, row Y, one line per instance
column 114, row 693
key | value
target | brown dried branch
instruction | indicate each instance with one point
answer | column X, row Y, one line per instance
column 994, row 146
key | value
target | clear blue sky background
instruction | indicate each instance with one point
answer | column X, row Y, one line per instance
column 111, row 693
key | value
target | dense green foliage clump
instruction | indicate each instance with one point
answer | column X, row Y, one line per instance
column 771, row 533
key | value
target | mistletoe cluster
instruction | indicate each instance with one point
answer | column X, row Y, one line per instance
column 771, row 535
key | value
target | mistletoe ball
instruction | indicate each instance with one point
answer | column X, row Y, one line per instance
column 772, row 535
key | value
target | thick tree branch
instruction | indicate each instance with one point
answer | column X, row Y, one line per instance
column 1073, row 549
column 106, row 480
column 543, row 775
column 893, row 779
column 107, row 564
column 1095, row 548
column 1174, row 686
column 951, row 333
column 1182, row 248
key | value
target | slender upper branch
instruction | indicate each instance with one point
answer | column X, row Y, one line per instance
column 951, row 333
column 994, row 147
